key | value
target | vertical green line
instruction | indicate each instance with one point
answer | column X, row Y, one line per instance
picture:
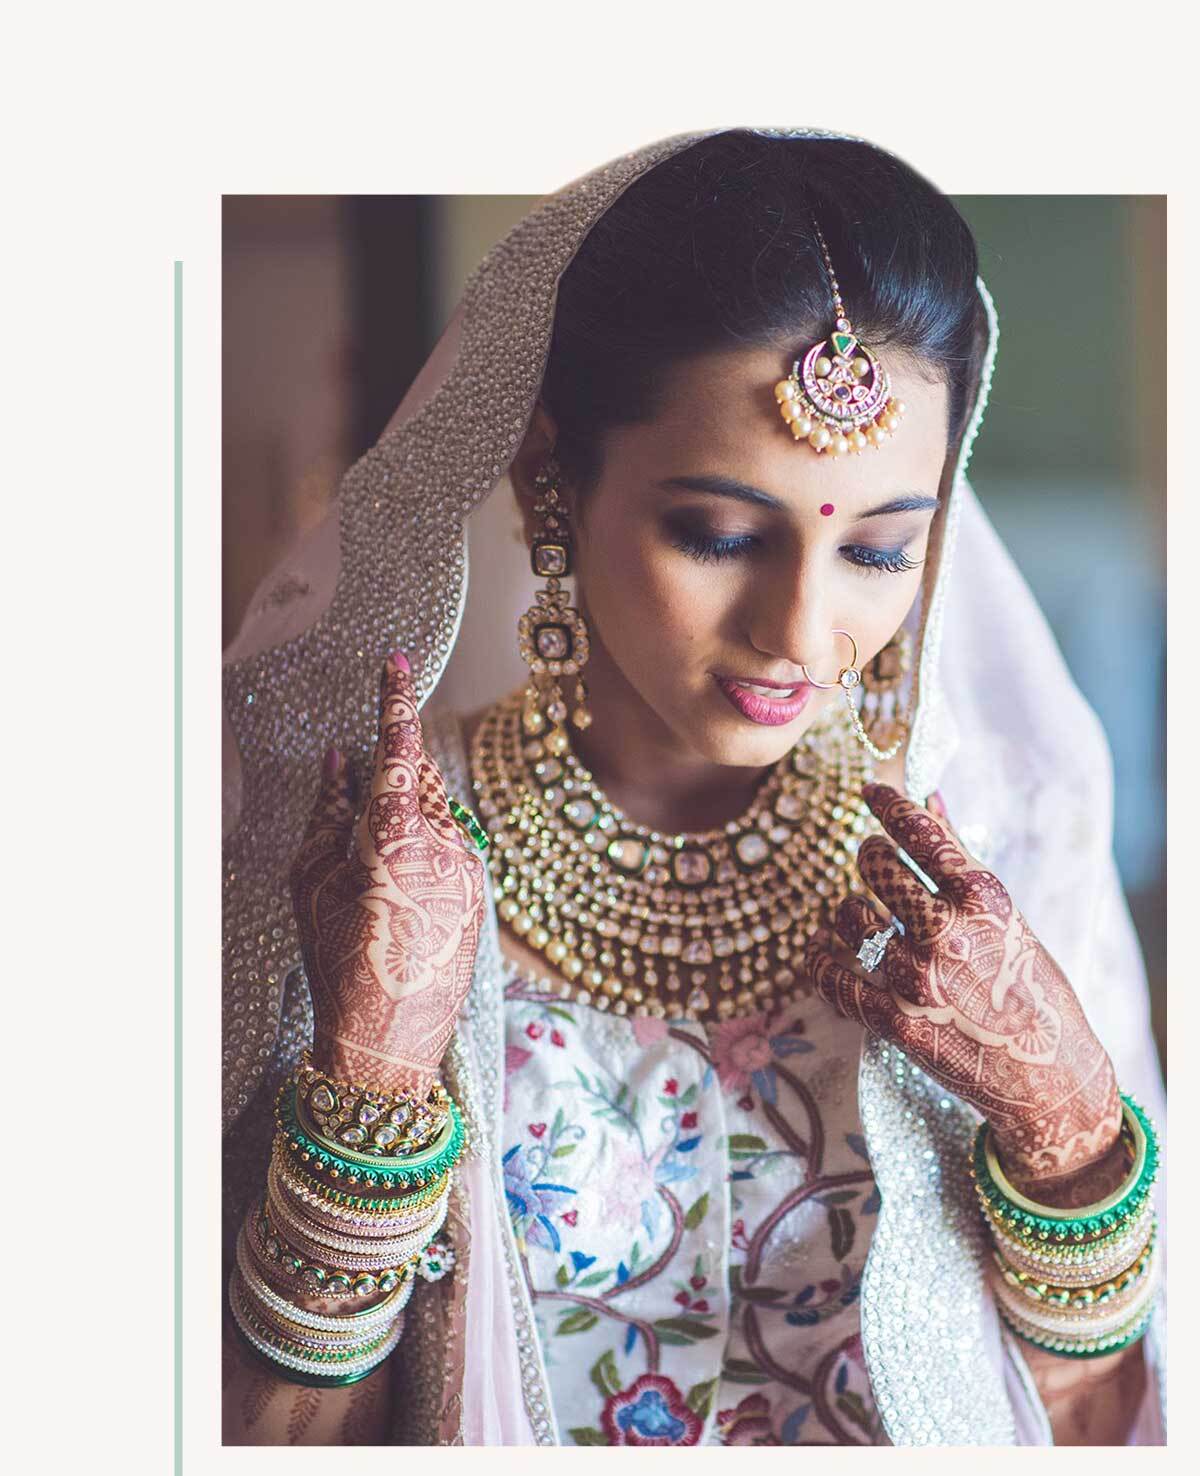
column 178, row 867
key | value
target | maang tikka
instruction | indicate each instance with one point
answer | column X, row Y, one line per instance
column 552, row 635
column 838, row 396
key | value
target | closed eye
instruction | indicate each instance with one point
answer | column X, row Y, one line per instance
column 707, row 548
column 880, row 560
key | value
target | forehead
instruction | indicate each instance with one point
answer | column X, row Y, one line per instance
column 718, row 415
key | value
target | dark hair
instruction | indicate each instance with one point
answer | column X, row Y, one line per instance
column 714, row 249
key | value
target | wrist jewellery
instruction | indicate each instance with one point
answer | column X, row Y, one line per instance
column 335, row 1201
column 1077, row 1282
column 345, row 1166
column 1034, row 1222
column 306, row 1237
column 345, row 1115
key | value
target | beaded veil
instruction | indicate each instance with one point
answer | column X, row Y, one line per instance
column 1027, row 780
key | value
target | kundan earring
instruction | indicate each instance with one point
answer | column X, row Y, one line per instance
column 838, row 396
column 552, row 635
column 885, row 726
column 848, row 678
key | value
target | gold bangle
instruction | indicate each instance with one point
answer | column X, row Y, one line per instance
column 341, row 1203
column 1095, row 1294
column 348, row 1115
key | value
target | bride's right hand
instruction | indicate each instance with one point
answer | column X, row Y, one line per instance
column 388, row 907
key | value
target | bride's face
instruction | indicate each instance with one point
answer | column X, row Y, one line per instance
column 716, row 551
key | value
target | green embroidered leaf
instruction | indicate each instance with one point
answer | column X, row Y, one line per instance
column 696, row 1213
column 700, row 1397
column 620, row 1097
column 586, row 1436
column 593, row 1278
column 761, row 1295
column 635, row 1255
column 745, row 1145
column 838, row 1196
column 559, row 1119
column 562, row 1276
column 580, row 1320
column 852, row 1407
column 675, row 1340
column 741, row 1371
column 561, row 1013
column 686, row 1327
column 841, row 1232
column 564, row 1150
column 604, row 1374
column 689, row 1096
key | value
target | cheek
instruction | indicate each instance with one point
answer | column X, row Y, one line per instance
column 648, row 589
column 876, row 607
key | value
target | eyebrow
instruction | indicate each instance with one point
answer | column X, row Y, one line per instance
column 743, row 492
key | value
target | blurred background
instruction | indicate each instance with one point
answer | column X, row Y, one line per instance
column 331, row 304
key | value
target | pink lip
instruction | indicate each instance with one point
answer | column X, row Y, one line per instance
column 770, row 711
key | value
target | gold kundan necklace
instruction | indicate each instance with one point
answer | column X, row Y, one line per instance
column 636, row 921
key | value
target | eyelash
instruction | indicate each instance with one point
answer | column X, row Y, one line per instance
column 708, row 550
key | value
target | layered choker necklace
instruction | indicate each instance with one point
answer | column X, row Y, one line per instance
column 692, row 926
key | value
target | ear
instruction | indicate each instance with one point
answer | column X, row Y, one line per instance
column 531, row 457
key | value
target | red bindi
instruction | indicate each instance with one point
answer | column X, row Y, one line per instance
column 827, row 509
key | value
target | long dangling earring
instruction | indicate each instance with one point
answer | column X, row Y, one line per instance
column 890, row 672
column 552, row 635
column 884, row 726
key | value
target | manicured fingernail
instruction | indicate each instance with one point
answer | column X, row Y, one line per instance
column 937, row 804
column 334, row 763
column 399, row 662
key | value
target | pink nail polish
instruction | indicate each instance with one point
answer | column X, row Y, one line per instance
column 333, row 764
column 400, row 661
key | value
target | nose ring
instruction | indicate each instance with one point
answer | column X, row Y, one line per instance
column 849, row 676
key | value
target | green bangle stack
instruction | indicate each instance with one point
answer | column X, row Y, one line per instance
column 1103, row 1298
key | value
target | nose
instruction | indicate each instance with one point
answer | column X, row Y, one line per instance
column 791, row 622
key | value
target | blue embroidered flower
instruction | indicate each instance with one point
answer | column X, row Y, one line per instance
column 531, row 1205
column 651, row 1411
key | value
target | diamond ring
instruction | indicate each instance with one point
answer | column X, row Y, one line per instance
column 872, row 949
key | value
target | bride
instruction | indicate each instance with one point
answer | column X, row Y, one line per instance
column 732, row 1032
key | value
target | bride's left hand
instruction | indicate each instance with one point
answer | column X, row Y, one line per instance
column 971, row 995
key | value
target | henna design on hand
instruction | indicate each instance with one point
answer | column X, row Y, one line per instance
column 388, row 907
column 972, row 995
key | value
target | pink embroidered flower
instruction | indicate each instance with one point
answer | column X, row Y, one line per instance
column 651, row 1411
column 556, row 1038
column 689, row 1120
column 514, row 1058
column 648, row 1031
column 747, row 1424
column 535, row 1030
column 739, row 1049
column 671, row 1087
column 628, row 1184
column 853, row 1349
